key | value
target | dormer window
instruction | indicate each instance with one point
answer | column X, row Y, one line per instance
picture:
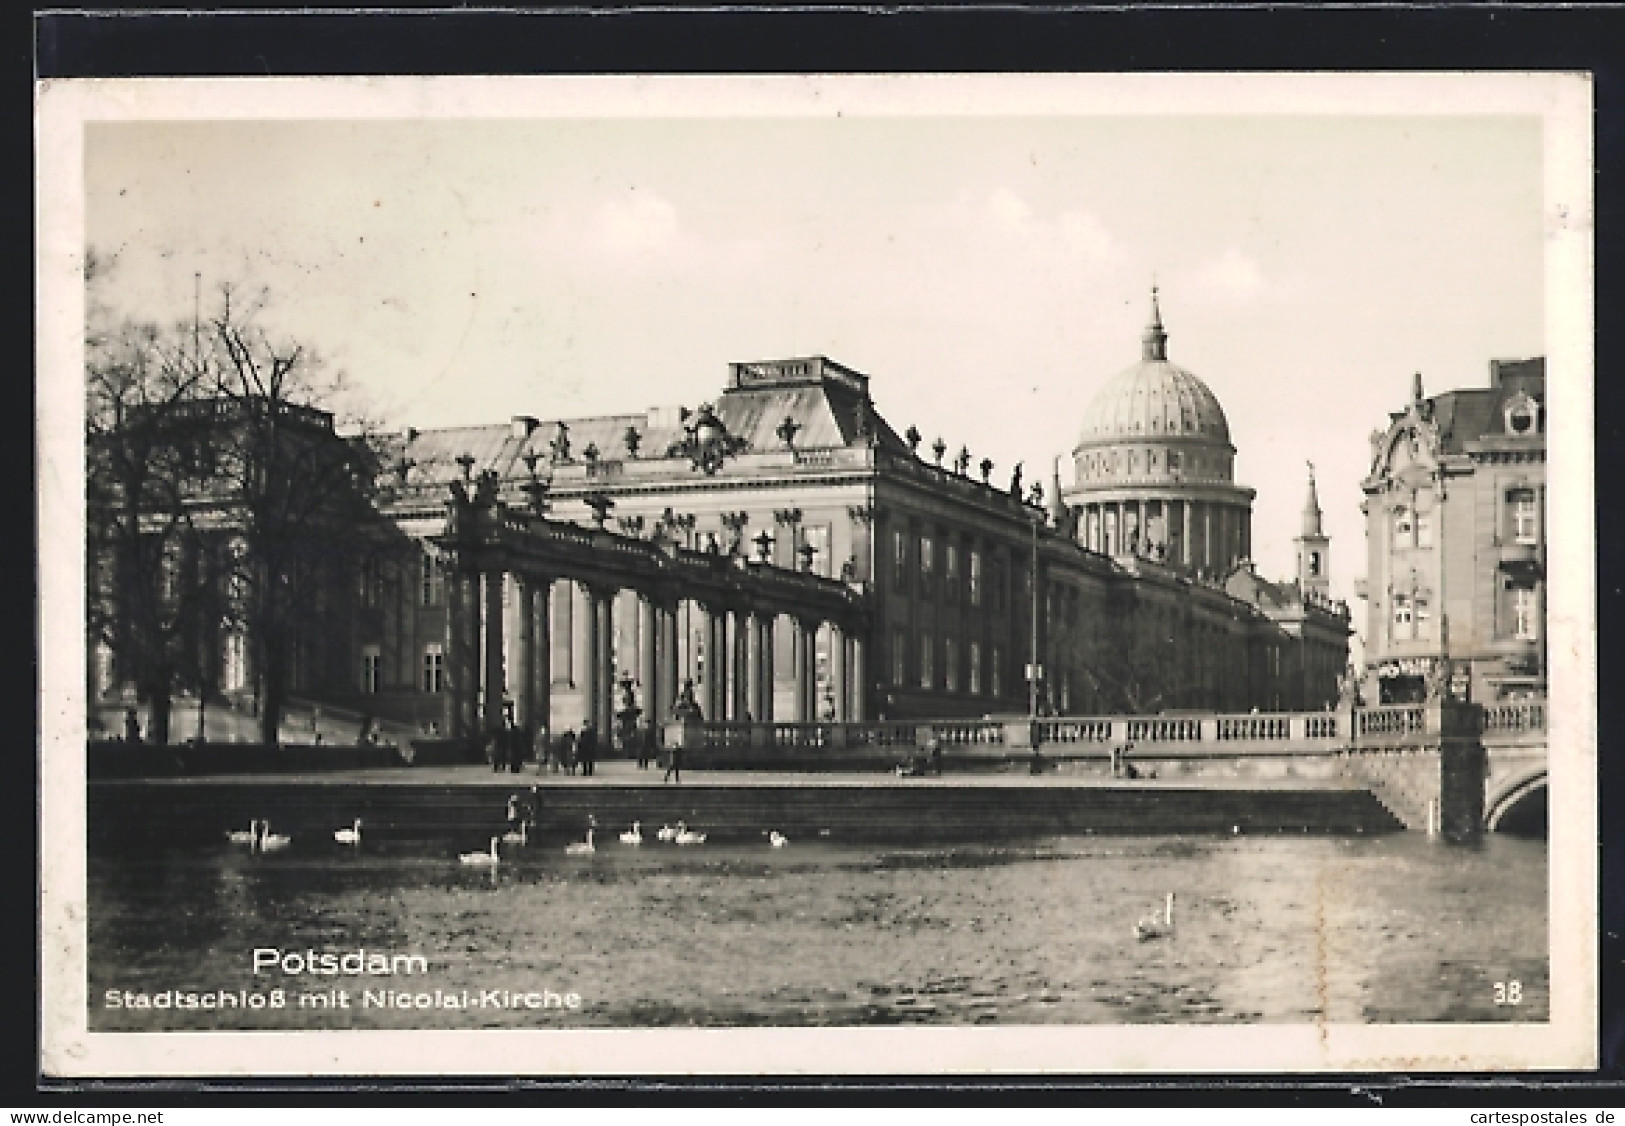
column 1522, row 415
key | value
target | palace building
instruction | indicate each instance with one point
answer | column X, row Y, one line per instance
column 934, row 590
column 1455, row 507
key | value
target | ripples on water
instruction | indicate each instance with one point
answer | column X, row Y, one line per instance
column 1386, row 929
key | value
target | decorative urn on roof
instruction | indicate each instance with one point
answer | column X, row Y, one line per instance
column 706, row 441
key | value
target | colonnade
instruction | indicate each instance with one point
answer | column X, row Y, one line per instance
column 486, row 670
column 1202, row 534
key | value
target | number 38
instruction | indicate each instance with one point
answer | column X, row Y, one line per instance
column 1509, row 992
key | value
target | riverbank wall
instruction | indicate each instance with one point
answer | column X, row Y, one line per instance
column 145, row 812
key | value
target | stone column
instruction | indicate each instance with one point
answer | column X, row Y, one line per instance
column 860, row 679
column 492, row 712
column 740, row 641
column 666, row 678
column 540, row 717
column 647, row 674
column 524, row 650
column 604, row 713
column 753, row 665
column 1207, row 537
column 837, row 671
column 562, row 660
column 766, row 713
column 1185, row 537
column 806, row 671
column 460, row 661
column 587, row 677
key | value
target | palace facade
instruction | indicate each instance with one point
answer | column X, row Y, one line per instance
column 1455, row 507
column 1132, row 590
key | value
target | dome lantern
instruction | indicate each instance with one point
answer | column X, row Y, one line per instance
column 1154, row 343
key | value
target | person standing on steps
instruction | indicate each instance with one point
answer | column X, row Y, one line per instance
column 587, row 749
column 674, row 765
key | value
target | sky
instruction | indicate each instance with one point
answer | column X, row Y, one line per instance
column 989, row 273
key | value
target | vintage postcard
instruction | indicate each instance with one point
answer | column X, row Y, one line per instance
column 787, row 575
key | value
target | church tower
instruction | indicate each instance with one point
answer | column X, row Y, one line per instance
column 1314, row 549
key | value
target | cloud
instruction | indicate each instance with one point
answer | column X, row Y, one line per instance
column 1086, row 237
column 1233, row 276
column 641, row 222
column 1009, row 210
column 1077, row 235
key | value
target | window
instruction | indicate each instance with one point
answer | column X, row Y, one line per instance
column 1402, row 616
column 1173, row 461
column 998, row 587
column 1424, row 617
column 899, row 560
column 1525, row 614
column 950, row 665
column 1314, row 564
column 372, row 667
column 817, row 538
column 950, row 573
column 899, row 658
column 434, row 667
column 997, row 671
column 1424, row 528
column 1402, row 526
column 234, row 663
column 975, row 578
column 975, row 668
column 433, row 581
column 1525, row 517
column 927, row 564
column 927, row 670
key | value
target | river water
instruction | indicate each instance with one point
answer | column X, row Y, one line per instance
column 1266, row 929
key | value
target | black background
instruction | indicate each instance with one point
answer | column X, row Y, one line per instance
column 84, row 43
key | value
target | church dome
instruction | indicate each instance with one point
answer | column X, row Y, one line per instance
column 1154, row 399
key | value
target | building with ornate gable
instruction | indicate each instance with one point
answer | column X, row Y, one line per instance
column 1455, row 505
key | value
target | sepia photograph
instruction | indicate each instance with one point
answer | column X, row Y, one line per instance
column 817, row 574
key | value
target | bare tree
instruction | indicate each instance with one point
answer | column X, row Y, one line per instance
column 224, row 496
column 295, row 493
column 144, row 462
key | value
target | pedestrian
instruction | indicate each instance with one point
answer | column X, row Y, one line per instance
column 132, row 726
column 541, row 744
column 646, row 746
column 567, row 751
column 936, row 756
column 496, row 746
column 587, row 749
column 674, row 765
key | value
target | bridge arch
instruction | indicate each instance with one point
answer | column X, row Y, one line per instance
column 1519, row 805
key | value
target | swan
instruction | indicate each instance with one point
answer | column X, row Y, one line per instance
column 1157, row 926
column 484, row 858
column 777, row 839
column 667, row 833
column 687, row 836
column 350, row 836
column 633, row 836
column 520, row 835
column 248, row 836
column 580, row 848
column 270, row 840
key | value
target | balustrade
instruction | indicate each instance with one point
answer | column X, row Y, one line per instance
column 1519, row 716
column 1389, row 719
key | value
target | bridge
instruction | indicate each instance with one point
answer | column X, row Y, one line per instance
column 1444, row 766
